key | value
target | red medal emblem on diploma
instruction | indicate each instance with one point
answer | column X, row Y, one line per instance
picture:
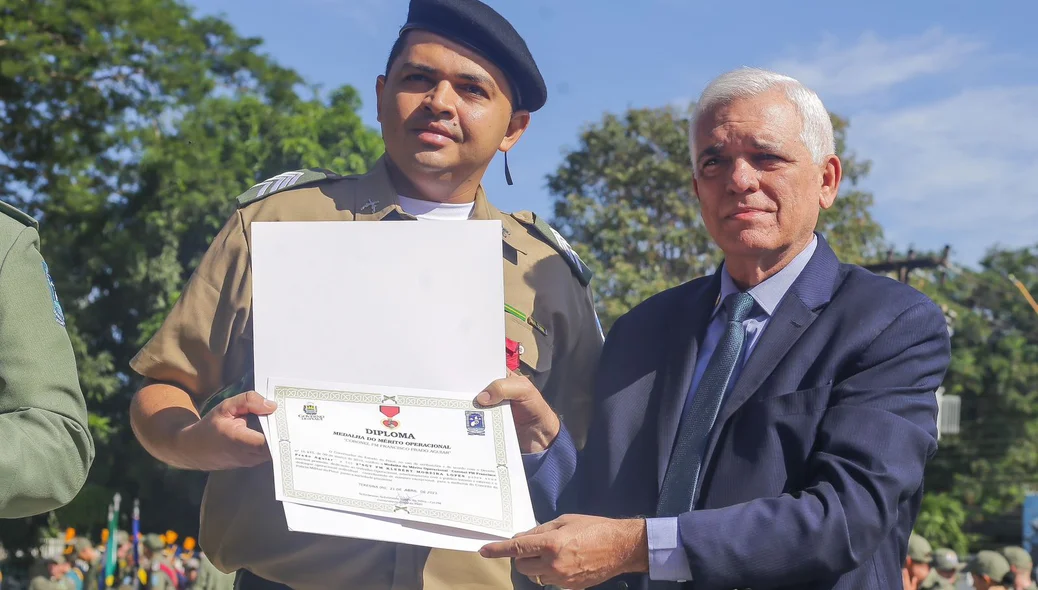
column 390, row 412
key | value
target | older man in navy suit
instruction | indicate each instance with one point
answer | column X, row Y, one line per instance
column 764, row 427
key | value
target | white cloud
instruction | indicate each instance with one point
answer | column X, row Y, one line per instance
column 959, row 170
column 952, row 164
column 873, row 64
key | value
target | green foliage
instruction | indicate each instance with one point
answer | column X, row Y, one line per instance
column 941, row 521
column 624, row 199
column 129, row 135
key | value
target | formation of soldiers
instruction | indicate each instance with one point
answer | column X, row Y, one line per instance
column 163, row 565
column 926, row 568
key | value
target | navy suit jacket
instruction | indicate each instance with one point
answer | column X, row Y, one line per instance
column 813, row 472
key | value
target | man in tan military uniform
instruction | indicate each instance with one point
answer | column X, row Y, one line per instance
column 459, row 87
column 47, row 449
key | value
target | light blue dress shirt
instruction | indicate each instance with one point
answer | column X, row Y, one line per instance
column 667, row 558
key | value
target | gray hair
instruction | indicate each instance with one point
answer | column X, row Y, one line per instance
column 816, row 127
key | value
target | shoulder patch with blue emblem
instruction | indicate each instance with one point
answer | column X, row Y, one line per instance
column 283, row 182
column 59, row 315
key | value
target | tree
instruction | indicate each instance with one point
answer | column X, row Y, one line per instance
column 624, row 199
column 941, row 520
column 129, row 136
column 993, row 462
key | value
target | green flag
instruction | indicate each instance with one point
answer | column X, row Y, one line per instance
column 111, row 559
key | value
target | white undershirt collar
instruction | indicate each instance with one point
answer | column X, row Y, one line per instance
column 431, row 210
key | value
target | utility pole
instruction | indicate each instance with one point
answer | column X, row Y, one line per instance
column 905, row 265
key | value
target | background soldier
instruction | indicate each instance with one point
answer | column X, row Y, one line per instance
column 947, row 565
column 47, row 445
column 161, row 575
column 459, row 86
column 916, row 571
column 1022, row 566
column 86, row 562
column 52, row 576
column 989, row 569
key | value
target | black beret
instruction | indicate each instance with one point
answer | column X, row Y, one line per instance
column 478, row 26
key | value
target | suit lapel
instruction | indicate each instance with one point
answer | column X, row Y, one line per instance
column 801, row 305
column 684, row 341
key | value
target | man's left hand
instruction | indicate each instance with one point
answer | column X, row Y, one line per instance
column 577, row 551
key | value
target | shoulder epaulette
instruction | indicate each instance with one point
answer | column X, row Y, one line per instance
column 556, row 241
column 19, row 215
column 283, row 182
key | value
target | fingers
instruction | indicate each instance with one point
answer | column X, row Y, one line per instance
column 543, row 569
column 515, row 388
column 533, row 566
column 251, row 438
column 249, row 402
column 520, row 547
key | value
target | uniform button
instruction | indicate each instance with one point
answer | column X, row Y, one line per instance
column 521, row 349
column 622, row 585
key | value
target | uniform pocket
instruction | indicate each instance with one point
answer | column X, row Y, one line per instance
column 535, row 348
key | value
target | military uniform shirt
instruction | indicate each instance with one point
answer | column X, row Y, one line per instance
column 158, row 580
column 205, row 346
column 47, row 449
column 46, row 583
column 210, row 578
column 935, row 581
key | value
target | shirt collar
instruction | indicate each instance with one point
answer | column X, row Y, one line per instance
column 769, row 293
column 379, row 198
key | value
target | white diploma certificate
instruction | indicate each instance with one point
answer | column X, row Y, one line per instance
column 405, row 308
column 416, row 455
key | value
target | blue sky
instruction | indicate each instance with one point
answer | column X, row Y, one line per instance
column 942, row 95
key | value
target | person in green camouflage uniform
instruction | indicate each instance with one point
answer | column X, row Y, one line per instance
column 946, row 563
column 159, row 577
column 1021, row 564
column 988, row 569
column 87, row 562
column 919, row 566
column 47, row 449
column 52, row 576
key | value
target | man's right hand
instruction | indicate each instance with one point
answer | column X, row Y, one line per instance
column 909, row 582
column 535, row 422
column 222, row 439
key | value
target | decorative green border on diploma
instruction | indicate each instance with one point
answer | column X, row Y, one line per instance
column 283, row 392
